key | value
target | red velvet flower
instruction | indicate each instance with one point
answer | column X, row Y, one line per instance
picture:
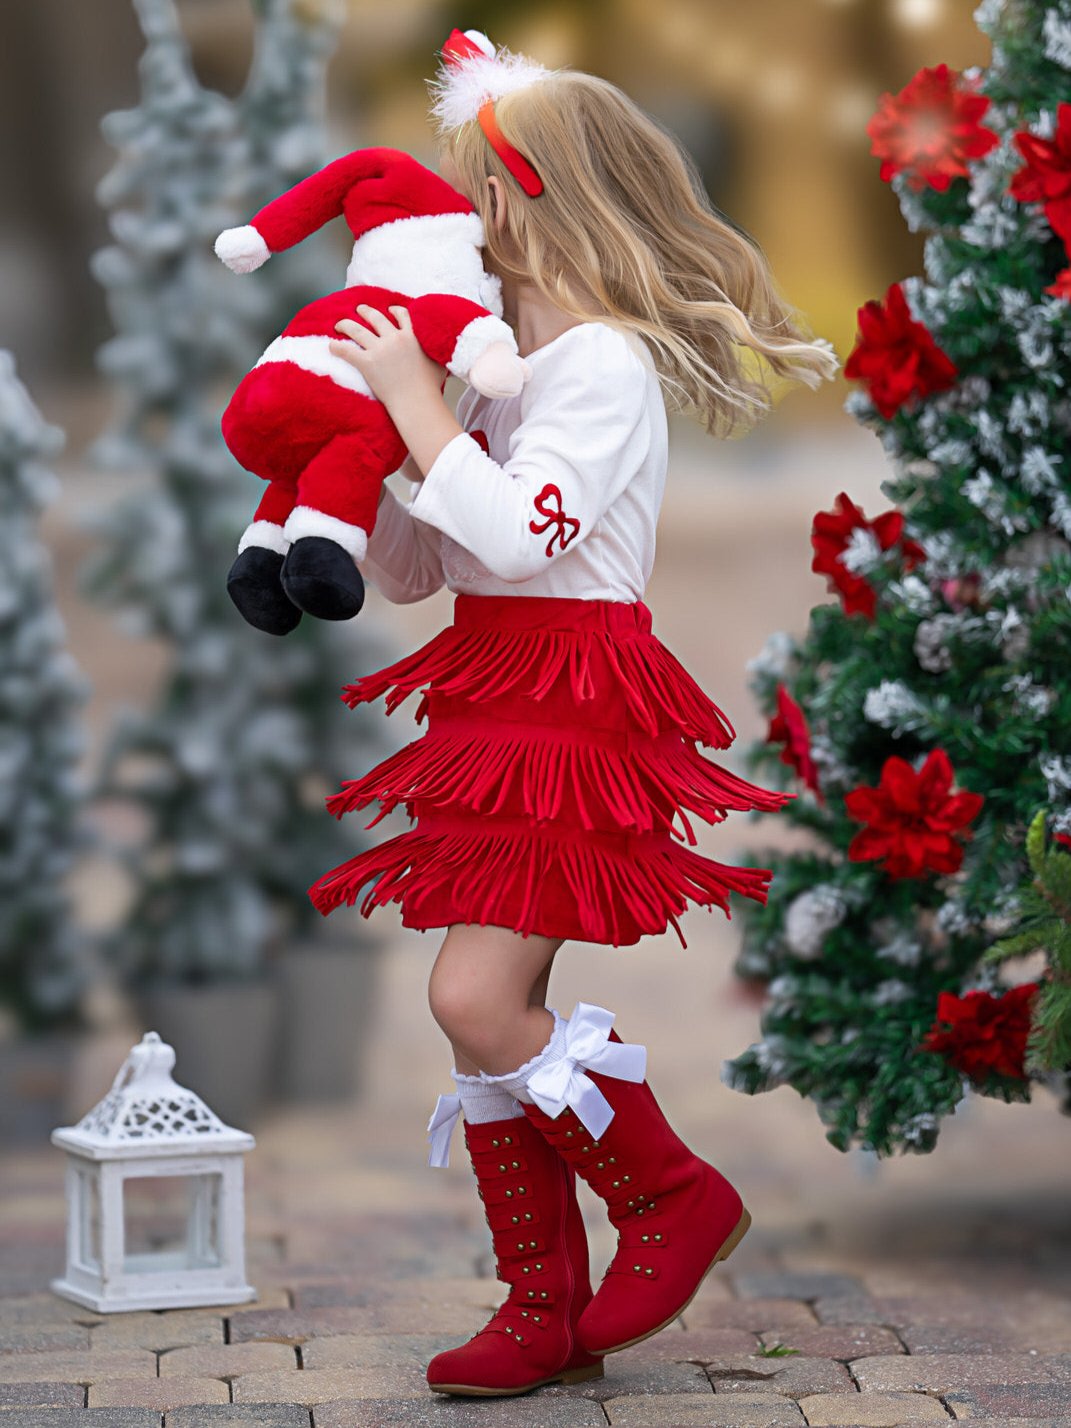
column 1061, row 286
column 930, row 129
column 1046, row 176
column 912, row 818
column 790, row 724
column 895, row 355
column 830, row 536
column 986, row 1034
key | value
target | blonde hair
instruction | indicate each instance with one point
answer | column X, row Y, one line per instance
column 624, row 233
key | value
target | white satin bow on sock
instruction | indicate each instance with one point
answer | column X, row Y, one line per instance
column 560, row 1082
column 441, row 1128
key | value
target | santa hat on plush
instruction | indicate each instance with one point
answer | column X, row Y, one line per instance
column 472, row 77
column 371, row 188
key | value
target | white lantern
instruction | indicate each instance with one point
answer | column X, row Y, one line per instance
column 151, row 1141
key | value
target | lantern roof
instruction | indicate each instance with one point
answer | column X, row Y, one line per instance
column 147, row 1113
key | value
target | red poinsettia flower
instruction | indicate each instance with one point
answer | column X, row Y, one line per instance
column 930, row 129
column 831, row 533
column 790, row 724
column 985, row 1034
column 1046, row 176
column 1061, row 286
column 896, row 356
column 912, row 818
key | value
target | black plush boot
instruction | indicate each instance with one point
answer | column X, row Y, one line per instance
column 254, row 584
column 321, row 578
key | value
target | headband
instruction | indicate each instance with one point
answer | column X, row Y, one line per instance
column 472, row 77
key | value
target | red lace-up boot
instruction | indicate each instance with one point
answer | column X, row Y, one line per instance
column 529, row 1197
column 676, row 1216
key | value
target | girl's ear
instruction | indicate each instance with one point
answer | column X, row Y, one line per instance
column 498, row 202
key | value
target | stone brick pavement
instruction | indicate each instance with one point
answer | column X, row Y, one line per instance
column 926, row 1289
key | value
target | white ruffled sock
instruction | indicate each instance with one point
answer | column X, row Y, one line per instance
column 481, row 1103
column 516, row 1082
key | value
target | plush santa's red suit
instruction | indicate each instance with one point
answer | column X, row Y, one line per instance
column 305, row 420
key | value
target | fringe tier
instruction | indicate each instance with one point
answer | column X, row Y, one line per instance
column 533, row 882
column 560, row 754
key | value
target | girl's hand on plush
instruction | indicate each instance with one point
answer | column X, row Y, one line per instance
column 387, row 353
column 499, row 371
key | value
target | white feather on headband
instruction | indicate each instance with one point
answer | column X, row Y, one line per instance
column 462, row 86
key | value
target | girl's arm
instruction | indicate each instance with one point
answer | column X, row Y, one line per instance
column 584, row 434
column 403, row 561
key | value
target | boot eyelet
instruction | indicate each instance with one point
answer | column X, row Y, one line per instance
column 509, row 1329
column 537, row 1318
column 636, row 1267
column 531, row 1294
column 508, row 1140
column 515, row 1219
column 524, row 1313
column 526, row 1269
column 595, row 1144
column 531, row 1244
column 520, row 1243
column 502, row 1168
column 617, row 1184
column 539, row 1266
column 518, row 1338
column 648, row 1271
column 569, row 1133
column 658, row 1239
column 509, row 1194
column 639, row 1211
column 516, row 1164
column 496, row 1143
column 521, row 1190
column 612, row 1160
column 584, row 1149
column 527, row 1215
column 626, row 1178
column 650, row 1204
column 644, row 1238
column 543, row 1294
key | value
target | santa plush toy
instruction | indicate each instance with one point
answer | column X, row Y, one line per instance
column 305, row 420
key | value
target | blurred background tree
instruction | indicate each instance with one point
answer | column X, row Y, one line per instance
column 45, row 961
column 230, row 767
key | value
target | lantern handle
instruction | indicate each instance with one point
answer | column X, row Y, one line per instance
column 150, row 1055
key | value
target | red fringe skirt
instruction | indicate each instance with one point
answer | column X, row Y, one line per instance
column 552, row 788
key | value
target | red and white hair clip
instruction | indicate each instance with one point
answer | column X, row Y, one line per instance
column 473, row 75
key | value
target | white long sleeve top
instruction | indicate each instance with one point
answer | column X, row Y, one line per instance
column 566, row 500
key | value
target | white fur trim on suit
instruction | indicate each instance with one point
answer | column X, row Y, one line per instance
column 304, row 521
column 439, row 253
column 242, row 249
column 265, row 534
column 475, row 340
column 313, row 354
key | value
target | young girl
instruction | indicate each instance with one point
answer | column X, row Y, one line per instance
column 562, row 736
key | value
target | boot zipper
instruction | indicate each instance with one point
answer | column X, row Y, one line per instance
column 570, row 1277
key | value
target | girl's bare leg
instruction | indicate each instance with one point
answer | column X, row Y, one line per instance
column 487, row 991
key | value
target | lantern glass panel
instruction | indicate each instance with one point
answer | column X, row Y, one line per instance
column 171, row 1222
column 87, row 1251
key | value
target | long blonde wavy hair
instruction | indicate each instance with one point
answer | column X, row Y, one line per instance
column 624, row 233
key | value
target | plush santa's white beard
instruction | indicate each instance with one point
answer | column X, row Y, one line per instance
column 438, row 254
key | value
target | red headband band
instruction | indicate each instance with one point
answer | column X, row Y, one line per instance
column 515, row 161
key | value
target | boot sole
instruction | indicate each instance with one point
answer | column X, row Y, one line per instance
column 742, row 1227
column 577, row 1375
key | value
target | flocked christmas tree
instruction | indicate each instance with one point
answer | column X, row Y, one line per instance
column 231, row 767
column 44, row 964
column 926, row 714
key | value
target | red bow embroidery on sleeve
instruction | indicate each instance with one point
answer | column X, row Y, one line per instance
column 549, row 503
